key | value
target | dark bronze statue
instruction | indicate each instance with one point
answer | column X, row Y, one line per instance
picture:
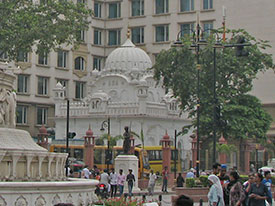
column 126, row 142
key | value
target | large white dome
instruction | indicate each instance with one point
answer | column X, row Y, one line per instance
column 128, row 56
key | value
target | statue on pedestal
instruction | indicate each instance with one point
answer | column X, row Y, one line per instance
column 126, row 142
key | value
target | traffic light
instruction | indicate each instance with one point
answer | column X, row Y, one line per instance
column 240, row 51
column 71, row 135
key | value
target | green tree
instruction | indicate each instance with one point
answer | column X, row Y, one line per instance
column 241, row 115
column 26, row 25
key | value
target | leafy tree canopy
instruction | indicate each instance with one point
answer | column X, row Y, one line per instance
column 240, row 115
column 45, row 25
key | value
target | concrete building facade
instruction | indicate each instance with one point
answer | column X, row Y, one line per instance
column 154, row 26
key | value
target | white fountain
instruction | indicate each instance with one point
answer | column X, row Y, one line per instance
column 29, row 174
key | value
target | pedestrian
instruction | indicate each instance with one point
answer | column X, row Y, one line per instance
column 258, row 192
column 247, row 186
column 130, row 179
column 152, row 182
column 268, row 183
column 215, row 194
column 105, row 179
column 237, row 195
column 180, row 180
column 121, row 178
column 190, row 174
column 184, row 201
column 224, row 179
column 165, row 179
column 216, row 168
column 113, row 182
column 86, row 172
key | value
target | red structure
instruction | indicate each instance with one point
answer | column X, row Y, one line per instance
column 222, row 156
column 89, row 144
column 43, row 137
column 132, row 145
column 166, row 156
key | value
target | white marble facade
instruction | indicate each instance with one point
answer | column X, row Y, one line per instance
column 126, row 92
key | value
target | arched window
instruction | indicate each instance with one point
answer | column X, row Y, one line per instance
column 79, row 64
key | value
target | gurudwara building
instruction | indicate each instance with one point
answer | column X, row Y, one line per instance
column 125, row 92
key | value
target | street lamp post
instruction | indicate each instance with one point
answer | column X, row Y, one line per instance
column 214, row 105
column 107, row 124
column 67, row 135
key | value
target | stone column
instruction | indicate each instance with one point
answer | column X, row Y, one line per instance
column 15, row 157
column 43, row 137
column 89, row 145
column 222, row 156
column 166, row 156
column 41, row 158
column 29, row 158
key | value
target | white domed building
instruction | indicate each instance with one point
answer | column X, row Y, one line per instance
column 125, row 92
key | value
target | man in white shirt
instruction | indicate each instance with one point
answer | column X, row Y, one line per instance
column 104, row 179
column 113, row 182
column 152, row 182
column 86, row 172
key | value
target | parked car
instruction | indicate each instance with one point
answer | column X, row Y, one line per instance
column 263, row 169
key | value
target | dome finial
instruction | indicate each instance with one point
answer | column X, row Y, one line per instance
column 128, row 33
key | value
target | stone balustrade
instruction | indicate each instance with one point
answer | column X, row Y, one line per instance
column 118, row 108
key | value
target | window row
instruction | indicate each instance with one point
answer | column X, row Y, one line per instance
column 138, row 35
column 22, row 115
column 23, row 86
column 137, row 7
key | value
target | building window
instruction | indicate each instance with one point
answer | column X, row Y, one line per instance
column 43, row 85
column 138, row 35
column 79, row 64
column 162, row 33
column 97, row 63
column 97, row 37
column 22, row 83
column 80, row 36
column 114, row 37
column 186, row 29
column 42, row 115
column 21, row 114
column 162, row 6
column 137, row 7
column 207, row 4
column 114, row 10
column 81, row 1
column 79, row 90
column 97, row 9
column 43, row 59
column 207, row 27
column 64, row 83
column 3, row 55
column 186, row 5
column 22, row 56
column 62, row 57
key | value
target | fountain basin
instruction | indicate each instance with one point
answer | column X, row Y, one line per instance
column 75, row 191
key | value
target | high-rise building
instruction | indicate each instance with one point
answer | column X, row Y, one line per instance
column 154, row 25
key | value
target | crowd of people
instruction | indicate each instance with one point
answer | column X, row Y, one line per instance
column 226, row 188
column 114, row 182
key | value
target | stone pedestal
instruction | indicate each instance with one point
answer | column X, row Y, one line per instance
column 127, row 162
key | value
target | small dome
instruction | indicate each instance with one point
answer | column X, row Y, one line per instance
column 59, row 86
column 100, row 95
column 89, row 132
column 166, row 136
column 128, row 56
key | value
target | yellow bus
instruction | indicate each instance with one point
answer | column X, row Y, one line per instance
column 76, row 151
column 155, row 158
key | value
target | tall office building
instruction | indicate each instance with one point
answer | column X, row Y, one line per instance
column 154, row 25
